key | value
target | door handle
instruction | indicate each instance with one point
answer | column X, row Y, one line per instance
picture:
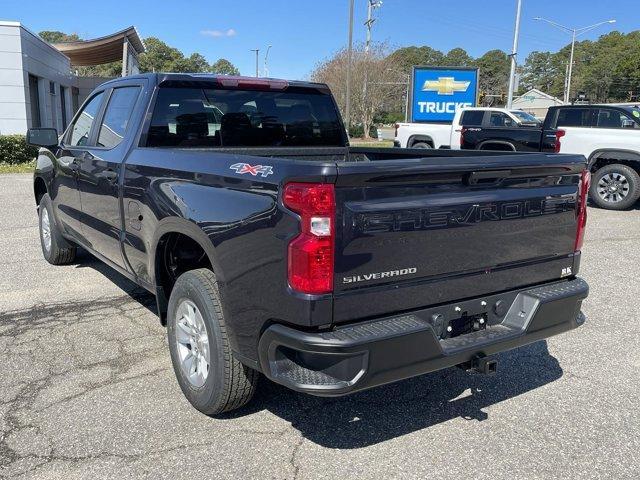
column 110, row 175
column 74, row 165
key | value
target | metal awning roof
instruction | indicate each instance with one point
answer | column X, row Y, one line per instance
column 101, row 50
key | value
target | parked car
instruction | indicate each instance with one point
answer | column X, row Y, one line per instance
column 607, row 135
column 447, row 135
column 273, row 247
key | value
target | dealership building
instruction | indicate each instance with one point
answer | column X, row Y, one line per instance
column 37, row 85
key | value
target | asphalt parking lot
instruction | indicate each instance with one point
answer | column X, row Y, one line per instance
column 87, row 389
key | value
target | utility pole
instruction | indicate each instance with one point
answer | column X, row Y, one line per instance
column 371, row 6
column 514, row 52
column 575, row 32
column 349, row 55
column 257, row 50
column 265, row 69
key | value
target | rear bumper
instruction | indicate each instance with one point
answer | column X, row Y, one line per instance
column 367, row 354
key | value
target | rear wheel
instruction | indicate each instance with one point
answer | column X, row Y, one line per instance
column 421, row 145
column 56, row 250
column 210, row 377
column 615, row 187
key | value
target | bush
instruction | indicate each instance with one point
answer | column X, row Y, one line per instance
column 357, row 131
column 14, row 150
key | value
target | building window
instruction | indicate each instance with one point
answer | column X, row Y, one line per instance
column 63, row 106
column 34, row 99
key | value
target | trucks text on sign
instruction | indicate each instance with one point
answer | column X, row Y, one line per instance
column 438, row 92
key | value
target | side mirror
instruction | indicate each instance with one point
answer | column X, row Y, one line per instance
column 628, row 123
column 42, row 137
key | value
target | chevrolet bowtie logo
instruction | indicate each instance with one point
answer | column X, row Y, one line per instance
column 445, row 86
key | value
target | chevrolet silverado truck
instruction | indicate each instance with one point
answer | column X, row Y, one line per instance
column 607, row 135
column 274, row 247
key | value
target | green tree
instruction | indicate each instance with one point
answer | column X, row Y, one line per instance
column 494, row 72
column 54, row 36
column 407, row 57
column 457, row 57
column 159, row 57
column 540, row 71
column 224, row 67
column 195, row 63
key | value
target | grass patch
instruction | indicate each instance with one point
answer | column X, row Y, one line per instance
column 358, row 142
column 17, row 168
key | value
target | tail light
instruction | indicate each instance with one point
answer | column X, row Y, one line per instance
column 581, row 209
column 559, row 135
column 395, row 130
column 310, row 254
column 462, row 130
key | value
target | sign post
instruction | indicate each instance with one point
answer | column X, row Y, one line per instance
column 437, row 92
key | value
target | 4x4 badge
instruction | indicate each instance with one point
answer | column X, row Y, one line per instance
column 242, row 168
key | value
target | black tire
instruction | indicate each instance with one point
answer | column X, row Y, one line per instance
column 56, row 251
column 625, row 177
column 229, row 384
column 421, row 145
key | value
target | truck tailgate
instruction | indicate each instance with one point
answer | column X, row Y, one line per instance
column 448, row 228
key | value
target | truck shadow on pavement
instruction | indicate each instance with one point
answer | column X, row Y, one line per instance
column 85, row 260
column 391, row 411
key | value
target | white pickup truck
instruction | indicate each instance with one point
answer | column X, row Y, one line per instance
column 447, row 135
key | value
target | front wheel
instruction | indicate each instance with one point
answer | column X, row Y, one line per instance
column 208, row 374
column 421, row 145
column 56, row 250
column 615, row 187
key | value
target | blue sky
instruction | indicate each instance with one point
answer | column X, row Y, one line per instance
column 303, row 32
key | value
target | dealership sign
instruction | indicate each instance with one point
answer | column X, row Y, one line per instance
column 437, row 92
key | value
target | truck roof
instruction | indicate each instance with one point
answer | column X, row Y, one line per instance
column 159, row 78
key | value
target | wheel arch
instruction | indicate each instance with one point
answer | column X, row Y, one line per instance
column 184, row 231
column 420, row 138
column 503, row 143
column 39, row 188
column 608, row 156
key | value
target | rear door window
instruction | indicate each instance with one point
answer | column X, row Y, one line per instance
column 472, row 118
column 573, row 117
column 117, row 115
column 82, row 125
column 211, row 117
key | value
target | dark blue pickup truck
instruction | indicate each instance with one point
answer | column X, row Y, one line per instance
column 274, row 247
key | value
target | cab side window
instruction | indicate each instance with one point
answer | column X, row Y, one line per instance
column 499, row 119
column 117, row 115
column 82, row 125
column 609, row 118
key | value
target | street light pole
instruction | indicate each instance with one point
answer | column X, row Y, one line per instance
column 575, row 32
column 567, row 94
column 371, row 6
column 257, row 50
column 349, row 55
column 514, row 50
column 265, row 69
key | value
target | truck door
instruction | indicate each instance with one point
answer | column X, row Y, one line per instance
column 65, row 194
column 99, row 173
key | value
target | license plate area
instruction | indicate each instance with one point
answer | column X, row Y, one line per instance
column 464, row 325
